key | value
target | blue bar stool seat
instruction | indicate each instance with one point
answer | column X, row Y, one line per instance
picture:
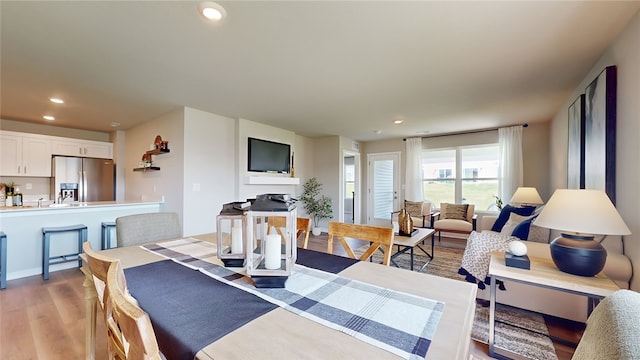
column 47, row 260
column 106, row 233
column 3, row 260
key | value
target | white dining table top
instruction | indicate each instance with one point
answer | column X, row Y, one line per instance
column 282, row 334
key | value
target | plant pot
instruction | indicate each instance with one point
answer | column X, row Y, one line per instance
column 316, row 231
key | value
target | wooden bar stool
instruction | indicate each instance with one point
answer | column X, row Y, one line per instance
column 106, row 233
column 47, row 260
column 3, row 260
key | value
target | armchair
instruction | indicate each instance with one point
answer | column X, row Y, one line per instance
column 454, row 218
column 420, row 212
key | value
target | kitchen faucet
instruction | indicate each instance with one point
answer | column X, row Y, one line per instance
column 63, row 196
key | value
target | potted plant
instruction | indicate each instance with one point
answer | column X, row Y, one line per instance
column 317, row 206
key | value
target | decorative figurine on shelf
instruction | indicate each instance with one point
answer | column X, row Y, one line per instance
column 158, row 142
column 146, row 160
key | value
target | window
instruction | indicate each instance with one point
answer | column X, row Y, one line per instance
column 478, row 183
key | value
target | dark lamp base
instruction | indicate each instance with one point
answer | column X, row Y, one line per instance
column 578, row 255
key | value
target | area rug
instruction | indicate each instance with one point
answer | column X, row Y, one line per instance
column 518, row 331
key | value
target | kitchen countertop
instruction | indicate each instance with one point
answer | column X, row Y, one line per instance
column 94, row 204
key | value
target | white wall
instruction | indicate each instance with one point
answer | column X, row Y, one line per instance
column 328, row 170
column 168, row 181
column 209, row 169
column 624, row 52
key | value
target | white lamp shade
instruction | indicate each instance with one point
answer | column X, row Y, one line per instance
column 583, row 212
column 526, row 195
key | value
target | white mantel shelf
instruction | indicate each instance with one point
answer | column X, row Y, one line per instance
column 272, row 180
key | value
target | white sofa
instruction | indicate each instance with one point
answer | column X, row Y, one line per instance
column 556, row 303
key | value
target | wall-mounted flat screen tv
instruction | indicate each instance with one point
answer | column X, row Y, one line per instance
column 268, row 156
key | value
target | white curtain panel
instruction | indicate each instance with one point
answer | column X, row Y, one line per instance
column 413, row 190
column 511, row 168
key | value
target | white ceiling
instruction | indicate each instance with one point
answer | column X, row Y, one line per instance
column 316, row 68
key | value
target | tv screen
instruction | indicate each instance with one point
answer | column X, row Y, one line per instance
column 269, row 156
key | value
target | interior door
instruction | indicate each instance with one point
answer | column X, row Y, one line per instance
column 384, row 187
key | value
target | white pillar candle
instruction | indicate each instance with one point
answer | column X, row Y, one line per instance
column 272, row 252
column 236, row 240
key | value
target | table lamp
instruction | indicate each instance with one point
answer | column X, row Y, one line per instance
column 579, row 215
column 526, row 196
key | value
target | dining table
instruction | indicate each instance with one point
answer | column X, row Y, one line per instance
column 206, row 314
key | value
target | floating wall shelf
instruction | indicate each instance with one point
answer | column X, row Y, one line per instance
column 148, row 168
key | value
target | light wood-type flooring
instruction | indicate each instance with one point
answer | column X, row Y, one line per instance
column 45, row 319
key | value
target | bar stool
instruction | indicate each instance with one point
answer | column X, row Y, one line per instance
column 106, row 233
column 3, row 260
column 47, row 260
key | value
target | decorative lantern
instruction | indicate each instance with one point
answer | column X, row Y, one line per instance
column 270, row 246
column 231, row 238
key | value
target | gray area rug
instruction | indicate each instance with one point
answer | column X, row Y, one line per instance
column 518, row 331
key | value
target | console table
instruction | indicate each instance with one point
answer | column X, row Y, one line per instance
column 544, row 273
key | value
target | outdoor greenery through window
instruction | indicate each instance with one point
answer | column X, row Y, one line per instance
column 467, row 175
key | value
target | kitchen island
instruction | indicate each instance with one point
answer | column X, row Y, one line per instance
column 23, row 227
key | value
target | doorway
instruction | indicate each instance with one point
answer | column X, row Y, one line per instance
column 384, row 187
column 350, row 188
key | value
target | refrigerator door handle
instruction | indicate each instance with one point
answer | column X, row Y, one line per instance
column 84, row 186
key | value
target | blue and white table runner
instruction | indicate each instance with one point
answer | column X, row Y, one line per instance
column 400, row 323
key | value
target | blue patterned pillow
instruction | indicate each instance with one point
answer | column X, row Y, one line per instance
column 506, row 211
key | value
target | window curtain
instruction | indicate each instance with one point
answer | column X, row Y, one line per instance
column 511, row 168
column 413, row 174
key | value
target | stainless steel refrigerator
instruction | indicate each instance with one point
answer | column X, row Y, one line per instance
column 82, row 179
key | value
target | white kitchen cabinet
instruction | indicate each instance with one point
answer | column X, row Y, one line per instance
column 83, row 148
column 24, row 155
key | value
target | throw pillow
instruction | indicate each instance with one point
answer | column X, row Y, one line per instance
column 414, row 208
column 507, row 211
column 455, row 211
column 538, row 234
column 514, row 220
column 521, row 231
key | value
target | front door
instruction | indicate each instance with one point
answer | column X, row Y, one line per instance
column 384, row 187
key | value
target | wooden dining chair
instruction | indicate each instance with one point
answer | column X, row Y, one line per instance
column 130, row 333
column 303, row 226
column 378, row 237
column 95, row 269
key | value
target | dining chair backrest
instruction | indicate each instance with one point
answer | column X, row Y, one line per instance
column 142, row 228
column 379, row 237
column 98, row 267
column 133, row 335
column 303, row 225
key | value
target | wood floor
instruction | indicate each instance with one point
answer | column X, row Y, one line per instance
column 45, row 319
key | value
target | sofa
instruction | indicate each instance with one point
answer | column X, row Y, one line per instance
column 613, row 329
column 569, row 306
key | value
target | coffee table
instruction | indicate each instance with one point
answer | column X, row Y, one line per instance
column 544, row 273
column 408, row 243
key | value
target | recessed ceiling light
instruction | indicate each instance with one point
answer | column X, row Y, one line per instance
column 115, row 124
column 398, row 121
column 212, row 11
column 48, row 117
column 56, row 100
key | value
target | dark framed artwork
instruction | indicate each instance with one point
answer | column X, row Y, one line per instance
column 575, row 145
column 600, row 133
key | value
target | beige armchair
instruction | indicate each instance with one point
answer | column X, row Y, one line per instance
column 420, row 212
column 454, row 218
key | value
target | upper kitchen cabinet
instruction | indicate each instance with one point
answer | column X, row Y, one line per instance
column 83, row 148
column 24, row 155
